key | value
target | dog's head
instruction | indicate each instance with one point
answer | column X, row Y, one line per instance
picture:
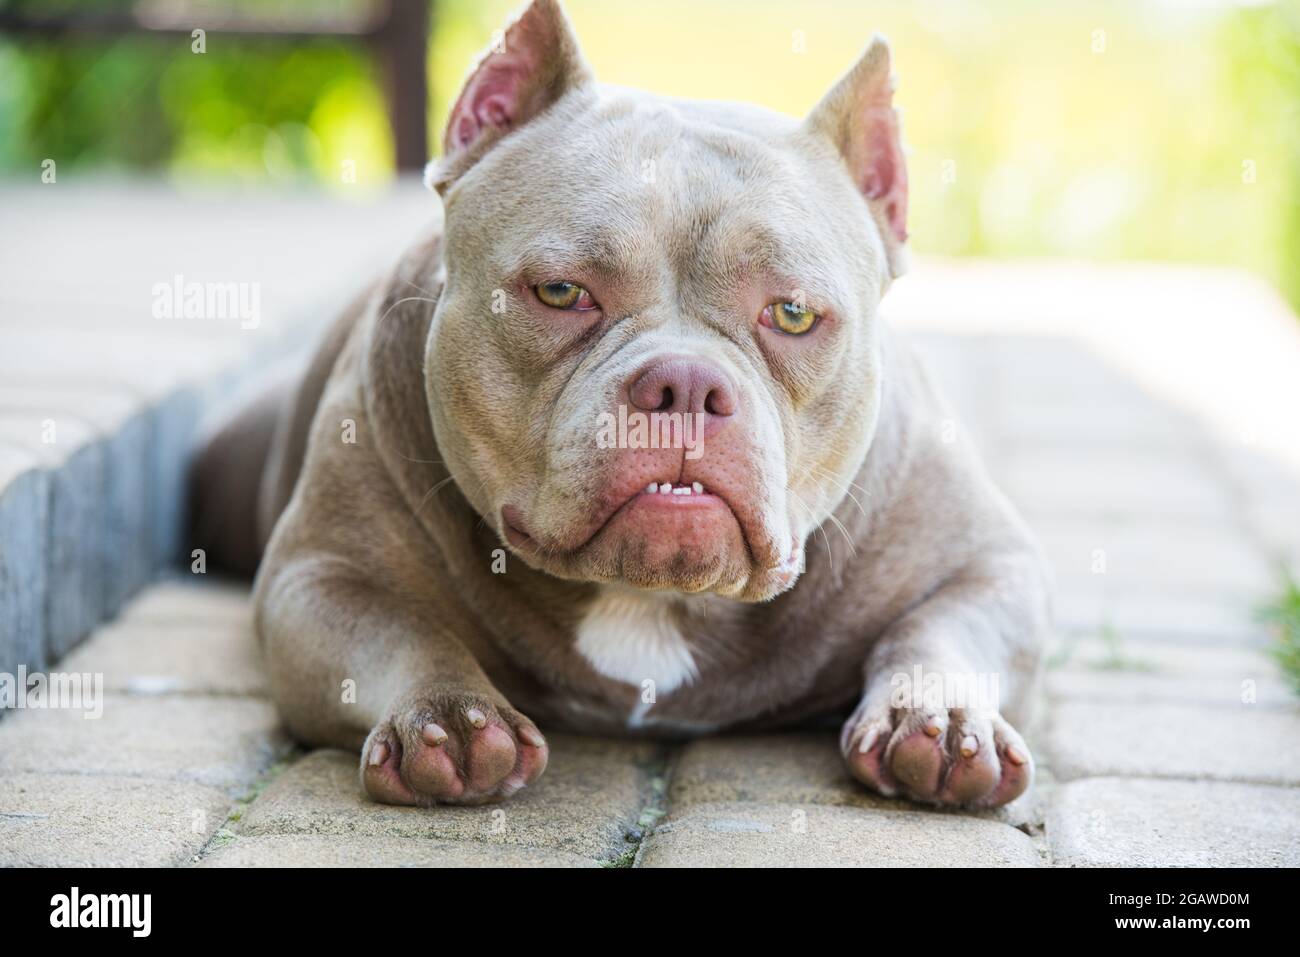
column 643, row 292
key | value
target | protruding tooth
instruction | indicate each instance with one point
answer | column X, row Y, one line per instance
column 652, row 487
column 666, row 488
column 699, row 489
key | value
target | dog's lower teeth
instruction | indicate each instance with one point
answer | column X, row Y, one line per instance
column 666, row 488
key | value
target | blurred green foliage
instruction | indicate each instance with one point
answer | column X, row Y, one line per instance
column 244, row 109
column 1146, row 129
column 1283, row 613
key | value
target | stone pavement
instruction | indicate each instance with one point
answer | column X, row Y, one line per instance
column 1155, row 456
column 1166, row 736
column 127, row 312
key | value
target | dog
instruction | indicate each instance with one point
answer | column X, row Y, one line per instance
column 461, row 543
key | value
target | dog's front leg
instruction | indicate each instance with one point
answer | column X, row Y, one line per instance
column 352, row 665
column 943, row 685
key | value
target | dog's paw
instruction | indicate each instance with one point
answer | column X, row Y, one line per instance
column 961, row 757
column 451, row 749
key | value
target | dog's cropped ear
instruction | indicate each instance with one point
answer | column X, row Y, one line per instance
column 858, row 116
column 529, row 66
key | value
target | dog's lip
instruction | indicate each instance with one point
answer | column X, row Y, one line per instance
column 517, row 533
column 512, row 522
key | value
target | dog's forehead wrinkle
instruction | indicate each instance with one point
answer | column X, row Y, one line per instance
column 676, row 191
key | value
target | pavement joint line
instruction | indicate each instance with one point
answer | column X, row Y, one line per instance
column 657, row 805
column 225, row 832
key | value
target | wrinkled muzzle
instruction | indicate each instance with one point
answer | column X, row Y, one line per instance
column 668, row 474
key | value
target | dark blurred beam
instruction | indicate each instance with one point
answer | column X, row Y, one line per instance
column 396, row 31
column 405, row 40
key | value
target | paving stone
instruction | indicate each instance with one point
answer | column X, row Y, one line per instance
column 316, row 850
column 1096, row 423
column 150, row 658
column 77, row 820
column 192, row 598
column 1067, row 482
column 24, row 505
column 131, row 518
column 77, row 556
column 155, row 361
column 1155, row 557
column 122, row 431
column 1259, row 475
column 175, row 420
column 1113, row 822
column 223, row 742
column 812, row 835
column 591, row 796
column 1090, row 607
column 1058, row 370
column 799, row 769
column 1151, row 739
column 1275, row 521
column 1142, row 672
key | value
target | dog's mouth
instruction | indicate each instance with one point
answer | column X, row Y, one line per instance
column 682, row 535
column 660, row 496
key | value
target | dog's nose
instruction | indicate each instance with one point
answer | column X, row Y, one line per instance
column 683, row 385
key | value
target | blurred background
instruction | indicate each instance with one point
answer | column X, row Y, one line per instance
column 1146, row 129
column 1105, row 204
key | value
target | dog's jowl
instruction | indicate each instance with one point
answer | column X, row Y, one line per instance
column 624, row 447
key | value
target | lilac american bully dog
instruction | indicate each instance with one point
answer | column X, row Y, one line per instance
column 624, row 447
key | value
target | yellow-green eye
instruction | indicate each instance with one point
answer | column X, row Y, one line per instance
column 564, row 295
column 788, row 318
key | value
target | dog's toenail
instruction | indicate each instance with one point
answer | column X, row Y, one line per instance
column 969, row 745
column 932, row 730
column 379, row 754
column 476, row 717
column 532, row 737
column 868, row 741
column 1016, row 756
column 433, row 734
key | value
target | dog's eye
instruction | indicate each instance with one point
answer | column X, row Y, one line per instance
column 564, row 295
column 789, row 318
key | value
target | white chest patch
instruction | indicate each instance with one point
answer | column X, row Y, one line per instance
column 632, row 636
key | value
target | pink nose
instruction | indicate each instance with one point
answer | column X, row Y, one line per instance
column 683, row 385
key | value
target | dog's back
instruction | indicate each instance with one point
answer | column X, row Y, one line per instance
column 241, row 478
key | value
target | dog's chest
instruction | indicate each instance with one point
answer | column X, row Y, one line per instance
column 689, row 665
column 636, row 638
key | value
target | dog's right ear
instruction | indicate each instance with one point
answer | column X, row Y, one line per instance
column 529, row 67
column 858, row 116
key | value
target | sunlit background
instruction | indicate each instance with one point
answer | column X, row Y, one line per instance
column 1147, row 129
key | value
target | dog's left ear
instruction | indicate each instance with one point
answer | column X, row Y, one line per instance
column 858, row 116
column 532, row 64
